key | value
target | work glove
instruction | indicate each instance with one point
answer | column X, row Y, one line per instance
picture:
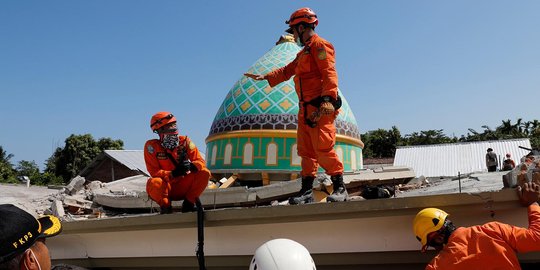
column 181, row 169
column 314, row 117
column 192, row 168
column 326, row 108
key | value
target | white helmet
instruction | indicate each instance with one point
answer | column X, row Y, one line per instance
column 282, row 254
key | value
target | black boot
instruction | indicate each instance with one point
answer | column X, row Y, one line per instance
column 166, row 209
column 340, row 192
column 188, row 206
column 305, row 195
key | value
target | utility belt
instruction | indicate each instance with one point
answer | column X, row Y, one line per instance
column 316, row 102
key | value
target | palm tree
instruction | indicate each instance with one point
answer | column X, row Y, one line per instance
column 6, row 168
column 518, row 128
column 534, row 128
column 506, row 129
column 4, row 157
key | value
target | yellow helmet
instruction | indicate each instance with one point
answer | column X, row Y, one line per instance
column 428, row 220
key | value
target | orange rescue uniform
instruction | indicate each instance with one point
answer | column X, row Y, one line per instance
column 489, row 246
column 315, row 76
column 162, row 187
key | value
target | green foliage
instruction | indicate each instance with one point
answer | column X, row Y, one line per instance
column 29, row 169
column 382, row 143
column 49, row 178
column 507, row 130
column 78, row 152
column 428, row 137
column 7, row 173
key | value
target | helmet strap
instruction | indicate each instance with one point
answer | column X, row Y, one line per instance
column 300, row 34
column 446, row 230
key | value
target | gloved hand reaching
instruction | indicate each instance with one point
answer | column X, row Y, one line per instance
column 182, row 169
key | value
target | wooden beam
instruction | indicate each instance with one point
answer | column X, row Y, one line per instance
column 229, row 181
column 265, row 179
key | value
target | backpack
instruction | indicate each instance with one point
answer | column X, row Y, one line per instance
column 378, row 192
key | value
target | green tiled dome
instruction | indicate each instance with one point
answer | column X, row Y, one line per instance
column 253, row 110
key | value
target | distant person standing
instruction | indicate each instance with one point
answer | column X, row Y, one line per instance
column 491, row 160
column 508, row 163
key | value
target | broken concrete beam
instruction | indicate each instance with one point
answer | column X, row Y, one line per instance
column 94, row 185
column 277, row 190
column 58, row 209
column 126, row 201
column 395, row 168
column 78, row 202
column 230, row 196
column 404, row 175
column 75, row 185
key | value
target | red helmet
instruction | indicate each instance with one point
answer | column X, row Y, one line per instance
column 303, row 15
column 161, row 119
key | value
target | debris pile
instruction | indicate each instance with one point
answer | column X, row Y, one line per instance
column 87, row 200
column 527, row 171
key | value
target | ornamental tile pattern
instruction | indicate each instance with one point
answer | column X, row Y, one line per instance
column 282, row 99
column 254, row 105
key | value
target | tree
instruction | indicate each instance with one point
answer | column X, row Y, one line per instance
column 427, row 137
column 381, row 143
column 534, row 133
column 7, row 174
column 78, row 152
column 29, row 169
column 487, row 135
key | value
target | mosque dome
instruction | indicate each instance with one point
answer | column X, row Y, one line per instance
column 254, row 131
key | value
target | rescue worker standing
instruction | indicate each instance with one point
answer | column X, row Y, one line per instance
column 177, row 169
column 491, row 160
column 489, row 246
column 316, row 84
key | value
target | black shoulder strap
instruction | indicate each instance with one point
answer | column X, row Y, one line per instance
column 173, row 160
column 182, row 153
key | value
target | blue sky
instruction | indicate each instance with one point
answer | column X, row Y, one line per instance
column 104, row 67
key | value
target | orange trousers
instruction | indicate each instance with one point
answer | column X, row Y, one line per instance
column 188, row 187
column 316, row 146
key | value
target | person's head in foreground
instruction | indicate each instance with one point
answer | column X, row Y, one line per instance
column 282, row 254
column 22, row 239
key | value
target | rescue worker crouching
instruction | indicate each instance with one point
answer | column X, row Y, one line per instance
column 177, row 169
column 316, row 85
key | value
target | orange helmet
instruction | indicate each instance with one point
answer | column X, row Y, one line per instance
column 161, row 119
column 306, row 15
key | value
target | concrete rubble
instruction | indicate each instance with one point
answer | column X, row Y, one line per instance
column 81, row 200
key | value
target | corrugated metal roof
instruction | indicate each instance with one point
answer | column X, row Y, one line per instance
column 133, row 159
column 449, row 159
